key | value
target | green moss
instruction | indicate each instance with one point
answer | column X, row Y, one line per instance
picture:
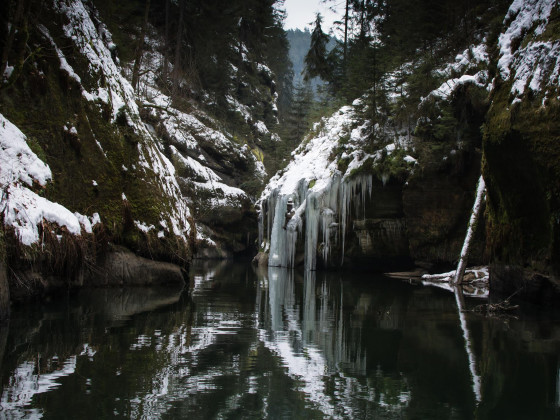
column 522, row 169
column 392, row 166
column 343, row 163
column 76, row 161
column 36, row 148
column 258, row 153
column 365, row 168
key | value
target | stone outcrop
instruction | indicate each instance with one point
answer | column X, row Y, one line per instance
column 117, row 267
column 4, row 293
column 120, row 267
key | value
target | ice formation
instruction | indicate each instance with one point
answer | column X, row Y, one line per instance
column 313, row 189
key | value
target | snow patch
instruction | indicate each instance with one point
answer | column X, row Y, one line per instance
column 537, row 64
column 17, row 160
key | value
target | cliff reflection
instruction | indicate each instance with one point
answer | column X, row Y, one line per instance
column 319, row 341
column 276, row 344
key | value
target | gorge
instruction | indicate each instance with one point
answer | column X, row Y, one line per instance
column 141, row 140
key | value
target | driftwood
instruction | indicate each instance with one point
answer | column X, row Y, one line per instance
column 499, row 308
column 480, row 192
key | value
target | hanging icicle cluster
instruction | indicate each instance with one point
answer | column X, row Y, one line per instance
column 323, row 210
column 308, row 205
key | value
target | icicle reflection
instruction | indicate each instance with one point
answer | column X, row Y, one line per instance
column 275, row 343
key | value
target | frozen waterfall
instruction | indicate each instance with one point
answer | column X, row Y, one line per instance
column 322, row 212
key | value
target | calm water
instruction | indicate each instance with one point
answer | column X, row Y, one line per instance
column 276, row 344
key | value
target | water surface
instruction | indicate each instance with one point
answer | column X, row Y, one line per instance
column 276, row 343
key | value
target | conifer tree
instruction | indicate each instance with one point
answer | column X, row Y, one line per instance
column 316, row 62
column 140, row 47
column 297, row 121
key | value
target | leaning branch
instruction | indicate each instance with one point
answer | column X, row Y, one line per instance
column 480, row 191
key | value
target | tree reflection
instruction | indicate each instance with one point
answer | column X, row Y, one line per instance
column 276, row 343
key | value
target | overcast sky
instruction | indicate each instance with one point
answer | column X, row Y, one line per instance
column 302, row 12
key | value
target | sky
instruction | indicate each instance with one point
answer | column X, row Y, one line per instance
column 302, row 12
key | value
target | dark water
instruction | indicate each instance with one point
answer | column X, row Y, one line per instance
column 276, row 344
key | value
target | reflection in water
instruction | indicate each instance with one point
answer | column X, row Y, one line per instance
column 276, row 344
column 310, row 339
column 460, row 299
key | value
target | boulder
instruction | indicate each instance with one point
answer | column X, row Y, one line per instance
column 122, row 267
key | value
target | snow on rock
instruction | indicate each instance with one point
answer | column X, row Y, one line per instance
column 449, row 86
column 8, row 73
column 63, row 62
column 205, row 179
column 261, row 128
column 25, row 210
column 109, row 86
column 22, row 208
column 536, row 64
column 153, row 160
column 456, row 72
column 187, row 129
column 312, row 188
column 95, row 46
column 238, row 107
column 17, row 161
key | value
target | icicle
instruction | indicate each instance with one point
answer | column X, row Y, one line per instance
column 278, row 256
column 271, row 207
column 326, row 221
column 312, row 213
column 261, row 226
column 480, row 190
column 349, row 189
column 321, row 208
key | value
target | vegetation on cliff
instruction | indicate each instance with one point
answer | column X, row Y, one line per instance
column 477, row 84
column 147, row 116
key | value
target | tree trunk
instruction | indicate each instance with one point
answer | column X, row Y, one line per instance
column 345, row 35
column 7, row 44
column 177, row 61
column 165, row 70
column 4, row 32
column 140, row 48
column 480, row 191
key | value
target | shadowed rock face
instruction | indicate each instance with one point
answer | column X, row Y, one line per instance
column 437, row 209
column 116, row 268
column 379, row 239
column 122, row 267
column 4, row 293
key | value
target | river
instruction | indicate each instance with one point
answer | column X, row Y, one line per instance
column 245, row 343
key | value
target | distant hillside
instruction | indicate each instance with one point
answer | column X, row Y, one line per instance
column 299, row 45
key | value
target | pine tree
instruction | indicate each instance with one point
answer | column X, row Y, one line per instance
column 316, row 62
column 297, row 122
column 140, row 47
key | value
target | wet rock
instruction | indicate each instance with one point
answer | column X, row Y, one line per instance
column 122, row 267
column 261, row 259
